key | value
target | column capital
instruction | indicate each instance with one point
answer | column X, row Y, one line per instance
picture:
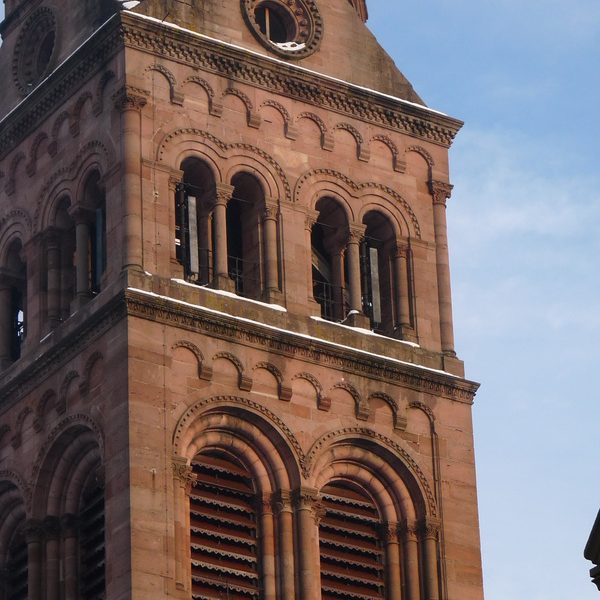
column 430, row 528
column 33, row 530
column 265, row 504
column 409, row 530
column 51, row 526
column 129, row 98
column 356, row 234
column 401, row 249
column 308, row 499
column 224, row 193
column 183, row 473
column 311, row 218
column 440, row 191
column 69, row 523
column 389, row 532
column 271, row 209
column 81, row 214
column 282, row 501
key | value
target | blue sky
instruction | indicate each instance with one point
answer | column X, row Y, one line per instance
column 524, row 225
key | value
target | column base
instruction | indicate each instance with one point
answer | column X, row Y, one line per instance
column 405, row 333
column 224, row 282
column 356, row 319
column 272, row 296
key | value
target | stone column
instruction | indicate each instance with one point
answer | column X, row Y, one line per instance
column 402, row 287
column 283, row 509
column 410, row 543
column 33, row 537
column 53, row 264
column 308, row 514
column 356, row 317
column 130, row 105
column 205, row 237
column 309, row 222
column 5, row 320
column 82, row 218
column 429, row 535
column 51, row 534
column 69, row 579
column 183, row 479
column 271, row 254
column 67, row 253
column 221, row 270
column 267, row 549
column 389, row 536
column 440, row 192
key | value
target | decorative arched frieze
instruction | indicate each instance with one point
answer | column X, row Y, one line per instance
column 288, row 127
column 47, row 400
column 318, row 177
column 94, row 154
column 258, row 414
column 205, row 372
column 63, row 117
column 252, row 118
column 244, row 381
column 214, row 108
column 100, row 89
column 17, row 438
column 75, row 120
column 175, row 95
column 327, row 141
column 31, row 166
column 7, row 475
column 425, row 155
column 84, row 386
column 323, row 401
column 352, row 435
column 61, row 405
column 193, row 135
column 400, row 420
column 424, row 408
column 362, row 151
column 15, row 224
column 4, row 431
column 284, row 391
column 361, row 406
column 10, row 185
column 398, row 165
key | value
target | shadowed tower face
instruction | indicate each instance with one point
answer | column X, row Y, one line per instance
column 227, row 365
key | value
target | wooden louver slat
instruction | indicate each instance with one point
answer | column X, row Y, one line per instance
column 91, row 543
column 223, row 536
column 350, row 548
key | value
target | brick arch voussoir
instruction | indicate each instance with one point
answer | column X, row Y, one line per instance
column 34, row 153
column 282, row 439
column 204, row 370
column 14, row 225
column 385, row 453
column 175, row 95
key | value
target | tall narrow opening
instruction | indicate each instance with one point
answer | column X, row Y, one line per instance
column 244, row 236
column 16, row 566
column 349, row 541
column 223, row 529
column 95, row 201
column 193, row 221
column 14, row 309
column 328, row 241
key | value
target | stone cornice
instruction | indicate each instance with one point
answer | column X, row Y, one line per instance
column 288, row 80
column 74, row 72
column 287, row 343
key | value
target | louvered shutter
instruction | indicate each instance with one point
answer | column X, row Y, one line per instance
column 350, row 547
column 16, row 572
column 91, row 543
column 223, row 533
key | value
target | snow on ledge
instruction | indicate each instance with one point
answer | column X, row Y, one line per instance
column 293, row 333
column 283, row 62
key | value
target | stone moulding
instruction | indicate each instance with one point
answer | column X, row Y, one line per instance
column 288, row 344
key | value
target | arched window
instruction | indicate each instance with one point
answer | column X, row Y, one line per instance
column 329, row 267
column 352, row 563
column 91, row 540
column 13, row 304
column 223, row 529
column 386, row 278
column 193, row 230
column 244, row 236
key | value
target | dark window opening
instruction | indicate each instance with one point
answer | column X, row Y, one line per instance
column 16, row 572
column 350, row 549
column 18, row 323
column 223, row 529
column 95, row 201
column 274, row 23
column 45, row 54
column 92, row 542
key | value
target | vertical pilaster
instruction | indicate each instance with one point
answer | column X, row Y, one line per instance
column 53, row 264
column 309, row 222
column 221, row 271
column 271, row 255
column 402, row 284
column 355, row 237
column 130, row 105
column 183, row 479
column 440, row 192
column 389, row 537
column 267, row 543
column 283, row 509
column 308, row 514
column 51, row 527
column 410, row 543
column 69, row 578
column 33, row 537
column 430, row 535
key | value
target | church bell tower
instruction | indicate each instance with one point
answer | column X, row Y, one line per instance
column 227, row 363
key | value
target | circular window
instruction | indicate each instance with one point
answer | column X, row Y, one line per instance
column 290, row 28
column 34, row 50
